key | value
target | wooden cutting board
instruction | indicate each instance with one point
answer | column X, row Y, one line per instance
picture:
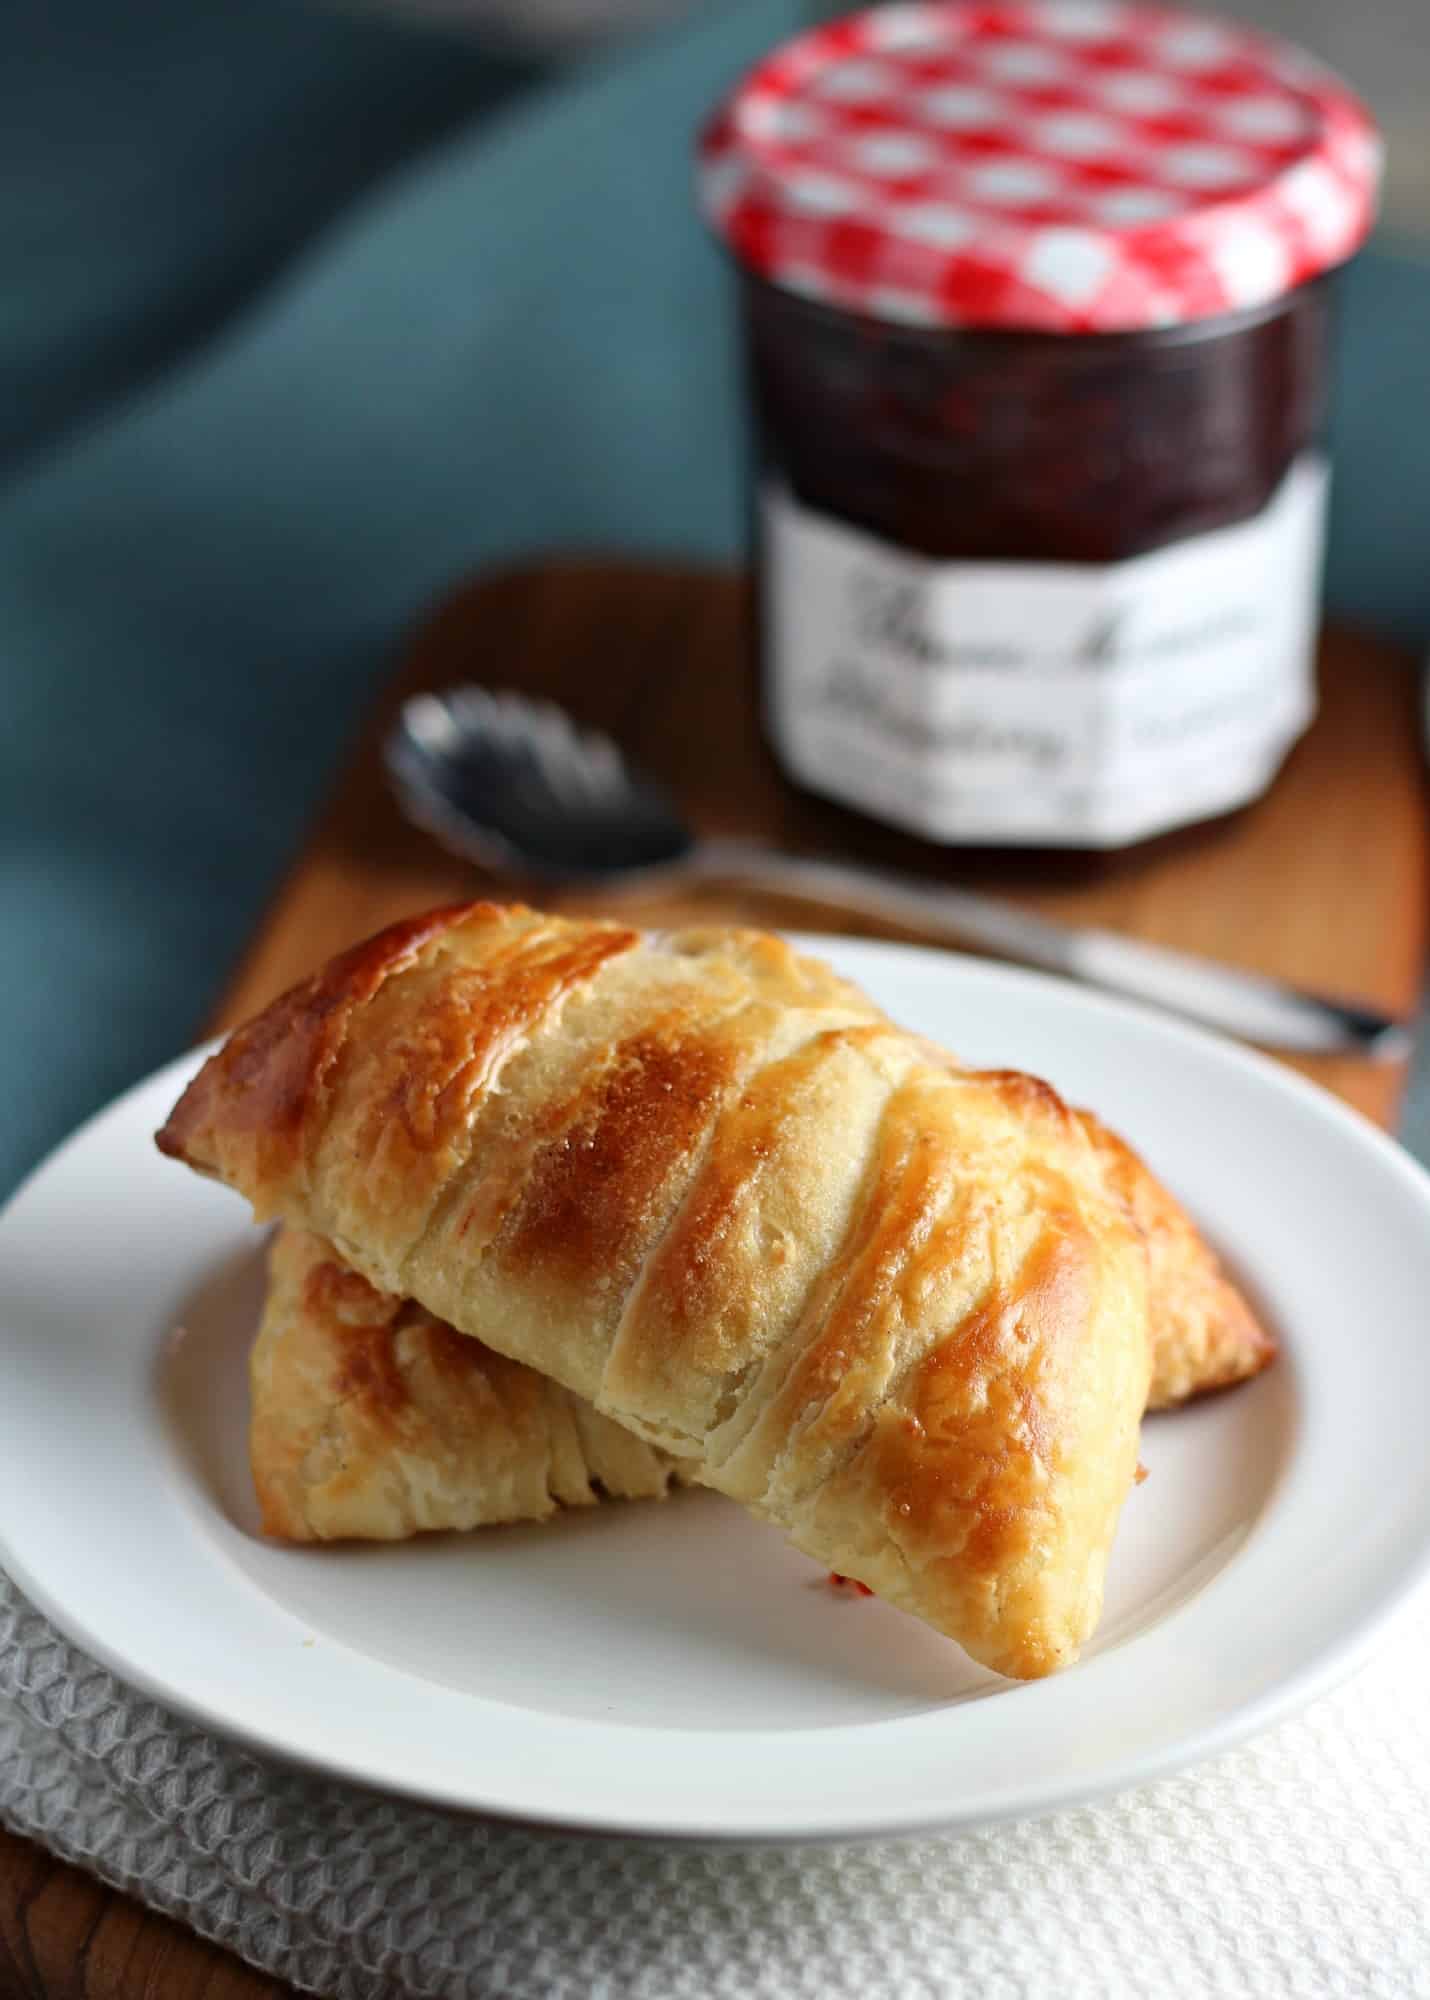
column 1326, row 881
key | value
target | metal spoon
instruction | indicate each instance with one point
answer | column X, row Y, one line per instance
column 516, row 786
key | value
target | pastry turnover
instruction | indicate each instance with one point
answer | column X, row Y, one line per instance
column 372, row 1419
column 900, row 1308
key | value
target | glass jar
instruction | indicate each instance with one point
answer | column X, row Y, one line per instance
column 1041, row 491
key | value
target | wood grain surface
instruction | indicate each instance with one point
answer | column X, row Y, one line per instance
column 65, row 1936
column 1326, row 881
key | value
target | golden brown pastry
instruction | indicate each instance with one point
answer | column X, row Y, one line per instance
column 891, row 1305
column 1204, row 1334
column 370, row 1418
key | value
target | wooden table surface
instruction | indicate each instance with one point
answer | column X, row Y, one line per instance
column 1326, row 881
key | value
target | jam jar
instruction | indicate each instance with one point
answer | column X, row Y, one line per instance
column 1037, row 308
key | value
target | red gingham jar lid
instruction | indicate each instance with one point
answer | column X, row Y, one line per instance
column 1071, row 166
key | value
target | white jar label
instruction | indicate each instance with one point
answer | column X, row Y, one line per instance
column 1043, row 703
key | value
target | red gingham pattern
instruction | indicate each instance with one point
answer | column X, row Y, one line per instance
column 1074, row 166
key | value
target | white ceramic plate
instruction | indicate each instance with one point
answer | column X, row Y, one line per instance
column 679, row 1669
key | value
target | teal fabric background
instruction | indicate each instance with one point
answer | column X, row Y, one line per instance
column 303, row 314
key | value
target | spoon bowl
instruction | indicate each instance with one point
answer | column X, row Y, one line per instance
column 516, row 784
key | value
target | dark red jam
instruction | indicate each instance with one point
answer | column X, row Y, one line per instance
column 1015, row 446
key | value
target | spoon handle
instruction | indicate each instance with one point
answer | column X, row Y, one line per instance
column 1250, row 1004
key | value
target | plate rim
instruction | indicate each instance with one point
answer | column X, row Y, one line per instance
column 1312, row 1677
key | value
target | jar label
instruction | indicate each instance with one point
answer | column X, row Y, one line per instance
column 1043, row 703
